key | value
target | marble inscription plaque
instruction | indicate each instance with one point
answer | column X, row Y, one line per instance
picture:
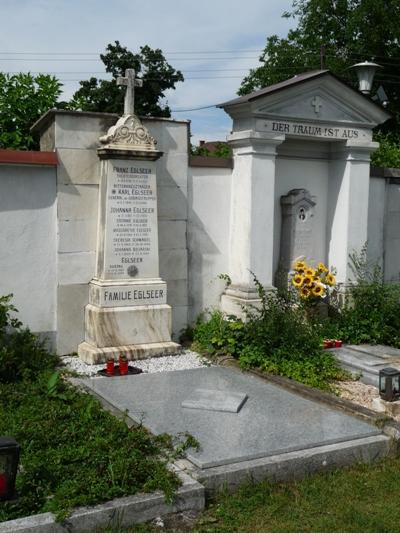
column 127, row 295
column 131, row 240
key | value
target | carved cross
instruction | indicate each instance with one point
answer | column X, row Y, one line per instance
column 316, row 103
column 131, row 82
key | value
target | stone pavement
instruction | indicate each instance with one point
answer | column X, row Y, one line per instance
column 271, row 421
column 367, row 360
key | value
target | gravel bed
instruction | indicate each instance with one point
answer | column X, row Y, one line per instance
column 184, row 361
column 358, row 392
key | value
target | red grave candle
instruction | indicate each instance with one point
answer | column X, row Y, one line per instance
column 110, row 367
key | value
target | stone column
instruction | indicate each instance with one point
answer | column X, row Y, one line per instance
column 348, row 204
column 252, row 217
column 127, row 312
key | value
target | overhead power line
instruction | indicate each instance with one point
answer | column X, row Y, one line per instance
column 241, row 50
column 98, row 59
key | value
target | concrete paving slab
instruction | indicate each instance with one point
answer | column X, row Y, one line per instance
column 271, row 422
column 379, row 350
column 215, row 400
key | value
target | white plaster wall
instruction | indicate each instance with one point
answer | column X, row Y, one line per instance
column 209, row 197
column 376, row 220
column 28, row 240
column 392, row 231
column 306, row 173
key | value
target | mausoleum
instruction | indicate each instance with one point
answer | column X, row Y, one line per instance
column 299, row 183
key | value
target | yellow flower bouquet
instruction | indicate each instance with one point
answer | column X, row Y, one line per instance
column 312, row 284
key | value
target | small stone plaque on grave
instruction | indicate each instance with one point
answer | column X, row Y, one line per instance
column 215, row 400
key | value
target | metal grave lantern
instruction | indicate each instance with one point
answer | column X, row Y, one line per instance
column 9, row 456
column 389, row 384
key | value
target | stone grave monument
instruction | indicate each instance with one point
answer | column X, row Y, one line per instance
column 297, row 228
column 127, row 312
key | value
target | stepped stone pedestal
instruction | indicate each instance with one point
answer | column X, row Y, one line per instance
column 127, row 312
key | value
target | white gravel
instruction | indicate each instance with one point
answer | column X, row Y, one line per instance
column 184, row 361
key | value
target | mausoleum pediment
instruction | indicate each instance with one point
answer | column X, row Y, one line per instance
column 316, row 97
column 316, row 104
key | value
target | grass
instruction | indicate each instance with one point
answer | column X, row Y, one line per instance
column 74, row 453
column 363, row 498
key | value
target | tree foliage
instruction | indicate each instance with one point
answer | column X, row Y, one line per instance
column 106, row 96
column 350, row 30
column 23, row 99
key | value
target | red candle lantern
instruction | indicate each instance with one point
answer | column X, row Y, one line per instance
column 9, row 456
column 110, row 367
column 123, row 365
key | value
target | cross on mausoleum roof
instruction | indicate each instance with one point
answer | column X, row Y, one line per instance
column 131, row 82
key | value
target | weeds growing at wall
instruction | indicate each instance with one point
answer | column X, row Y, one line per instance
column 371, row 313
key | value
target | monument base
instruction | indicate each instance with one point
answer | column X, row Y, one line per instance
column 237, row 300
column 127, row 317
column 93, row 355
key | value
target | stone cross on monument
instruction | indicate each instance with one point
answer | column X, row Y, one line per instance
column 131, row 82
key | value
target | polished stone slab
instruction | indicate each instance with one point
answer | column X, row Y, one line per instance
column 367, row 360
column 215, row 400
column 272, row 420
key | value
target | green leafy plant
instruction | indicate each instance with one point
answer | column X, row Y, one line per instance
column 371, row 313
column 219, row 334
column 22, row 354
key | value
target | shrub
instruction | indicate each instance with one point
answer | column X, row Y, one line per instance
column 278, row 338
column 22, row 354
column 371, row 314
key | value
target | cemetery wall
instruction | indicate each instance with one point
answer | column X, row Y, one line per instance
column 209, row 199
column 48, row 218
column 384, row 221
column 28, row 237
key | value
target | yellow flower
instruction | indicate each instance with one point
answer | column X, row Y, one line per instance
column 310, row 272
column 330, row 279
column 297, row 280
column 308, row 281
column 305, row 293
column 322, row 267
column 318, row 290
column 317, row 279
column 300, row 265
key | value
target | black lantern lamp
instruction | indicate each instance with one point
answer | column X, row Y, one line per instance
column 389, row 384
column 9, row 456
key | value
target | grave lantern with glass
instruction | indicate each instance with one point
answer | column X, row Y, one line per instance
column 389, row 384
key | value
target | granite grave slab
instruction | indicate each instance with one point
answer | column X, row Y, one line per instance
column 272, row 420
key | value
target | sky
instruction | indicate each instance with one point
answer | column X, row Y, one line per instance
column 213, row 42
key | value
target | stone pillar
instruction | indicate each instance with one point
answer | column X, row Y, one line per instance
column 252, row 217
column 348, row 204
column 127, row 312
